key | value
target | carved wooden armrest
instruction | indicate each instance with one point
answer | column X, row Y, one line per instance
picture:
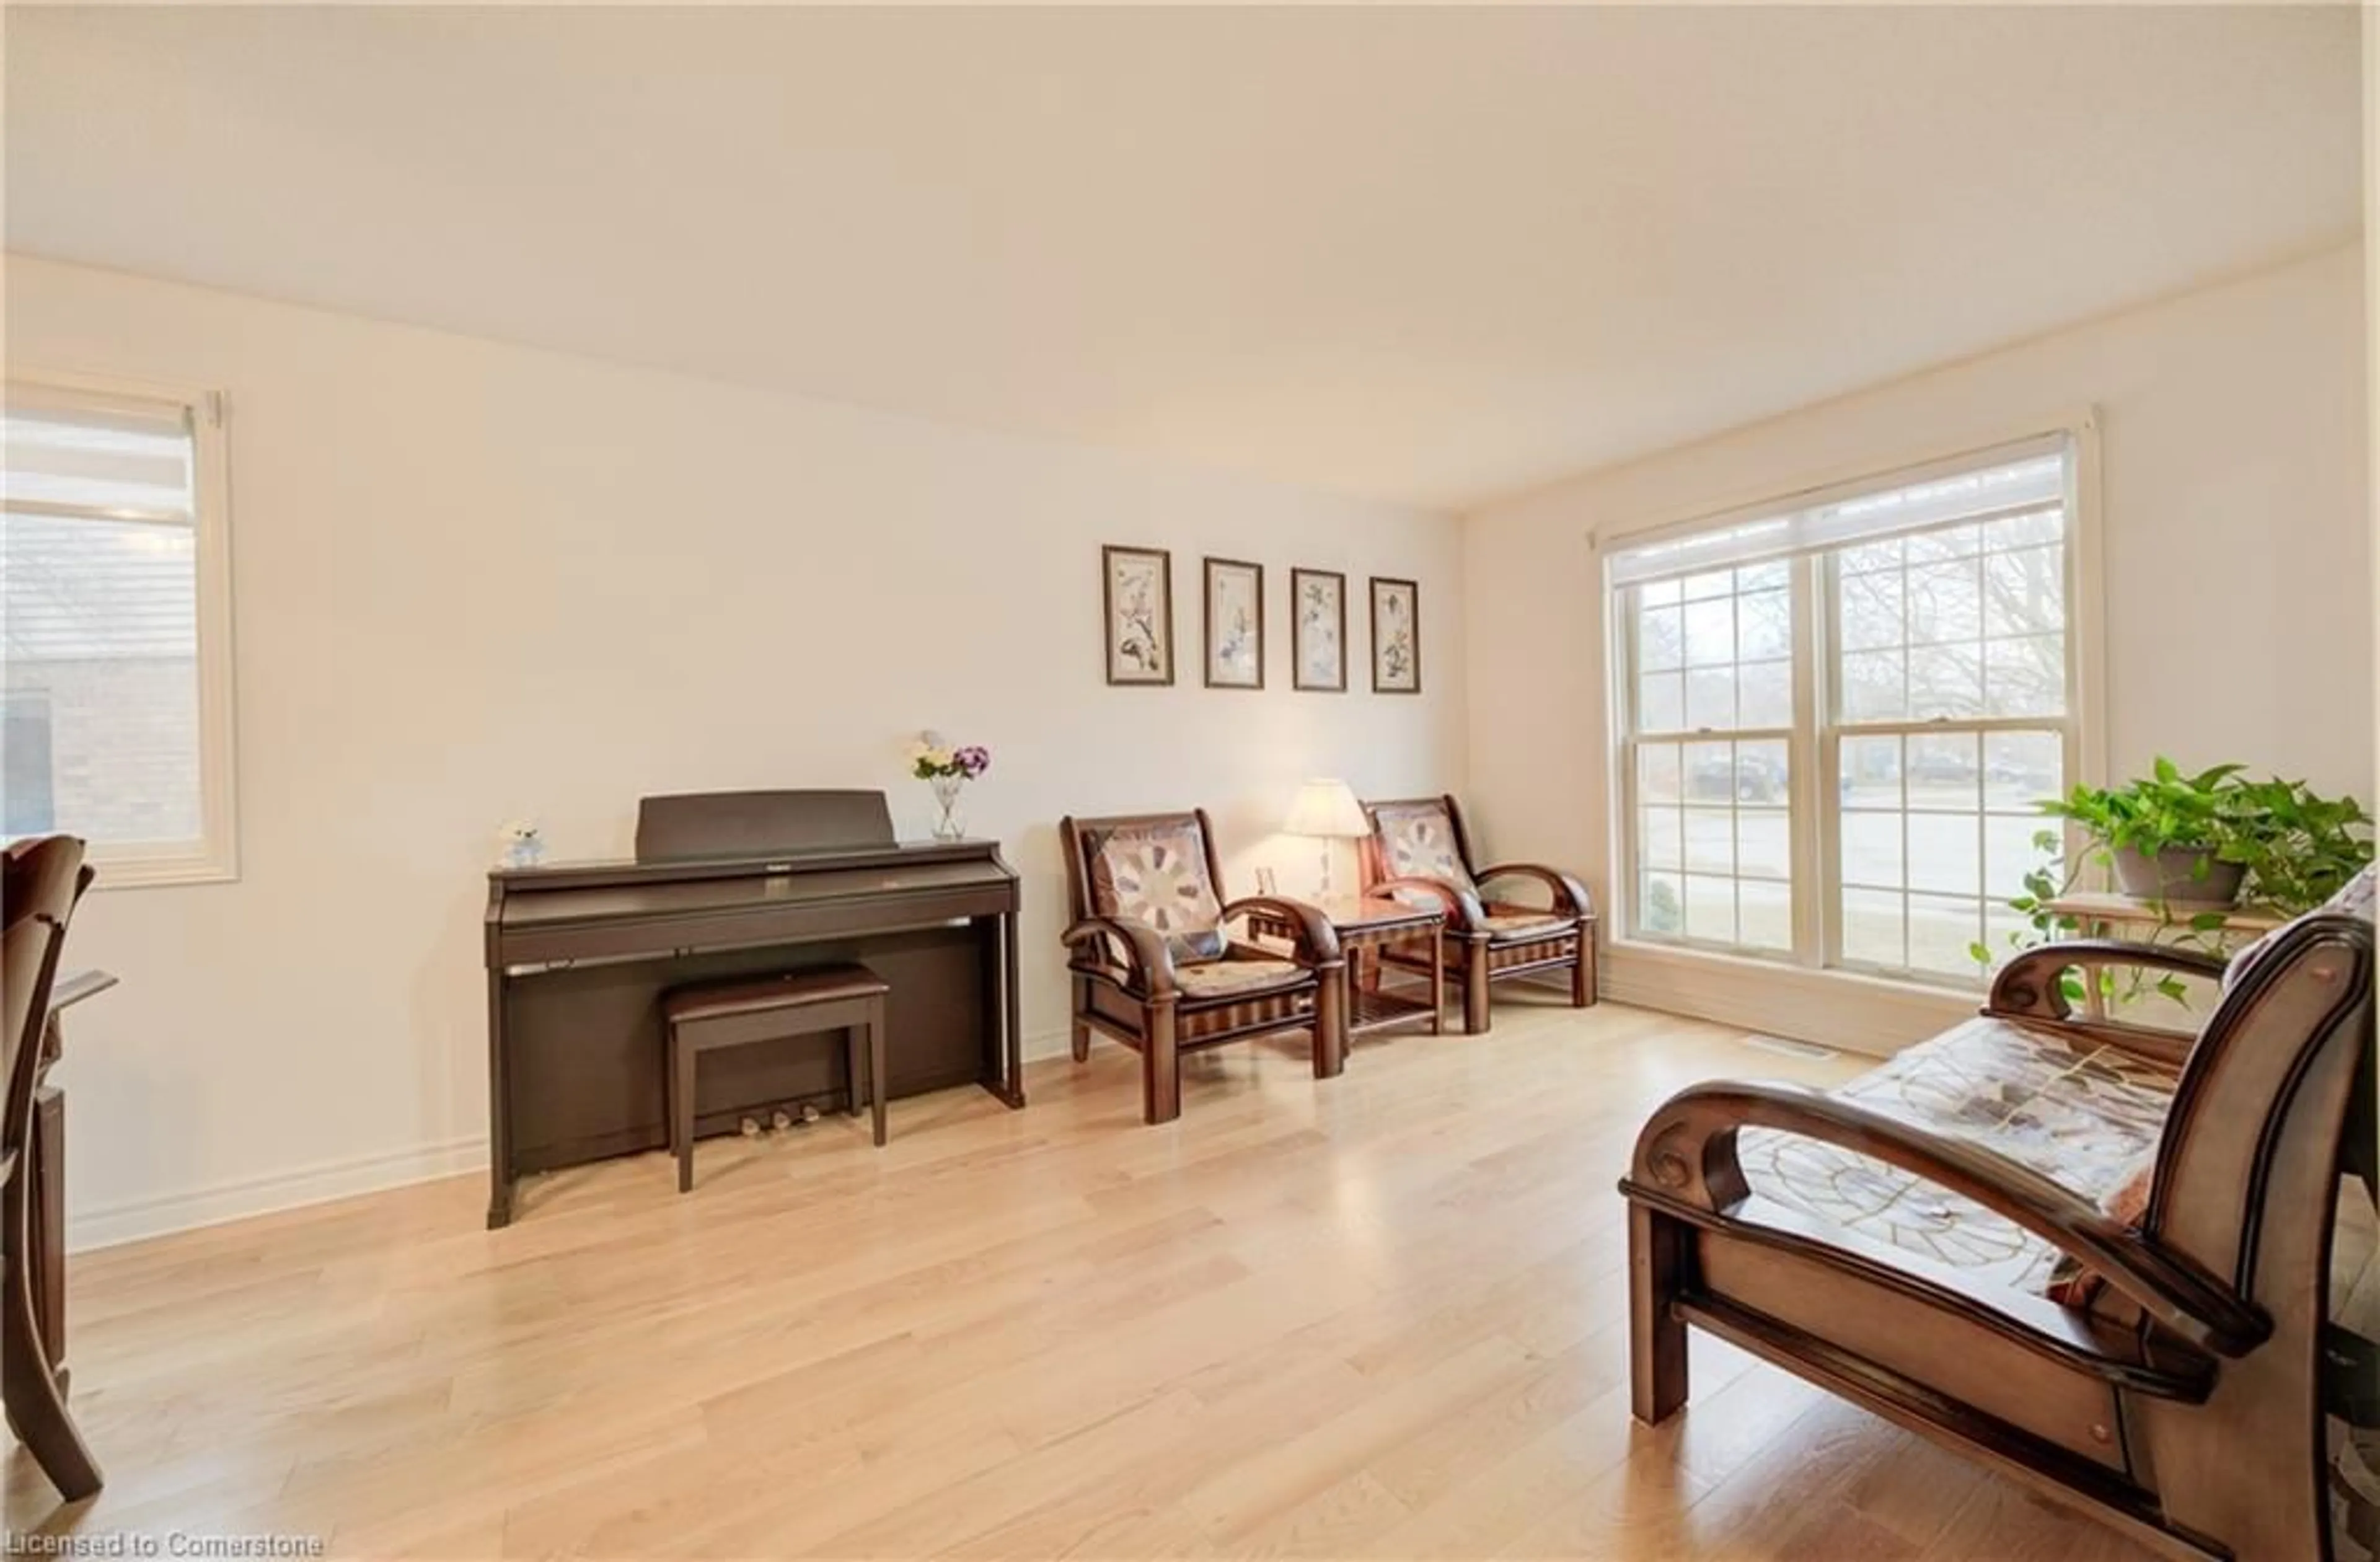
column 1570, row 898
column 1150, row 960
column 1686, row 1153
column 2028, row 988
column 1464, row 912
column 1317, row 941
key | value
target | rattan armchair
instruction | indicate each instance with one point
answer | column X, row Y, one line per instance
column 1152, row 965
column 1419, row 849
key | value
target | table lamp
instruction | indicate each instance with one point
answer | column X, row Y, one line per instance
column 1327, row 809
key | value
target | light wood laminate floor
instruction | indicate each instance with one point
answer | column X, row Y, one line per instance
column 1380, row 1316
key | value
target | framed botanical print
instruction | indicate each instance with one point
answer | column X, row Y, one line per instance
column 1396, row 637
column 1235, row 624
column 1317, row 629
column 1139, row 601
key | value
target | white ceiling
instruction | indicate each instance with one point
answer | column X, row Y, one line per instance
column 1429, row 255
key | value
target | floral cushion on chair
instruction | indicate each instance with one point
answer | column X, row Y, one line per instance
column 1418, row 842
column 2086, row 1116
column 1156, row 875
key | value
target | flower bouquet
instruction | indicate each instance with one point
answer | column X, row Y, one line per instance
column 947, row 770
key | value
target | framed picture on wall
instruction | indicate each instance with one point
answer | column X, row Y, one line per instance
column 1235, row 624
column 1396, row 636
column 1317, row 629
column 1138, row 595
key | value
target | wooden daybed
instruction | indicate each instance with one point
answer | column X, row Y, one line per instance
column 2091, row 1254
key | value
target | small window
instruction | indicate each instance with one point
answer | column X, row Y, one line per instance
column 1838, row 715
column 114, row 654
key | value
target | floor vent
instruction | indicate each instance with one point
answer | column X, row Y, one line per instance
column 1791, row 1049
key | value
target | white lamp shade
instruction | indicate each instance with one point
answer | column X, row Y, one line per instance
column 1327, row 809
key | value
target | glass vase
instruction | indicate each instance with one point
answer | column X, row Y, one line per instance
column 949, row 822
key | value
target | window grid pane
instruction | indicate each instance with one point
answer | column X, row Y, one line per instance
column 1713, row 831
column 1935, row 831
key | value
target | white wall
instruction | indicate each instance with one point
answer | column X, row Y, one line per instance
column 475, row 581
column 2237, row 608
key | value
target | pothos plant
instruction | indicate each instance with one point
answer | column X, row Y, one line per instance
column 2295, row 846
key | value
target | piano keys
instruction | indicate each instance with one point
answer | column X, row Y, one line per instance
column 735, row 884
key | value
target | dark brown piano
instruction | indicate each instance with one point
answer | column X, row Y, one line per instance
column 723, row 885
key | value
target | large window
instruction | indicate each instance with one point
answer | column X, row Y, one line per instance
column 1837, row 713
column 114, row 670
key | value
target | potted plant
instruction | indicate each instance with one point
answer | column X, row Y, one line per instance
column 2210, row 838
column 2166, row 835
column 2194, row 846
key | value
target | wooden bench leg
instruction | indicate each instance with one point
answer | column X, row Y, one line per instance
column 1656, row 1335
column 682, row 1058
column 854, row 1046
column 876, row 1092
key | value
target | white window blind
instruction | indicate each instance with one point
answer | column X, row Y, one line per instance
column 2013, row 480
column 114, row 683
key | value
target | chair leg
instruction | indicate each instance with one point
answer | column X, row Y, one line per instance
column 1582, row 972
column 854, row 1053
column 1330, row 1004
column 1082, row 1037
column 1475, row 1017
column 47, row 1218
column 1656, row 1335
column 1160, row 1068
column 36, row 1406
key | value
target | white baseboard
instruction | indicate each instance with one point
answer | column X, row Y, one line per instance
column 323, row 1181
column 273, row 1193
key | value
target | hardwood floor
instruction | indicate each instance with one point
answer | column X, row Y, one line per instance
column 1379, row 1316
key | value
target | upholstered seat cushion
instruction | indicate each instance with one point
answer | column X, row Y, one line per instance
column 2084, row 1117
column 1523, row 921
column 1238, row 977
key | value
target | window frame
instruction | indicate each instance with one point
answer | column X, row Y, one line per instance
column 1815, row 743
column 213, row 855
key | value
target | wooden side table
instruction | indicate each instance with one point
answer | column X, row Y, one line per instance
column 1366, row 924
column 2101, row 915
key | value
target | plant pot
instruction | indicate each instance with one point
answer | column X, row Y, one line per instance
column 2173, row 874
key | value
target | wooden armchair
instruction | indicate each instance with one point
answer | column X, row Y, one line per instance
column 42, row 879
column 2087, row 1254
column 1152, row 965
column 1419, row 849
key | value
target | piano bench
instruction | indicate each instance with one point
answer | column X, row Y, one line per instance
column 711, row 1015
